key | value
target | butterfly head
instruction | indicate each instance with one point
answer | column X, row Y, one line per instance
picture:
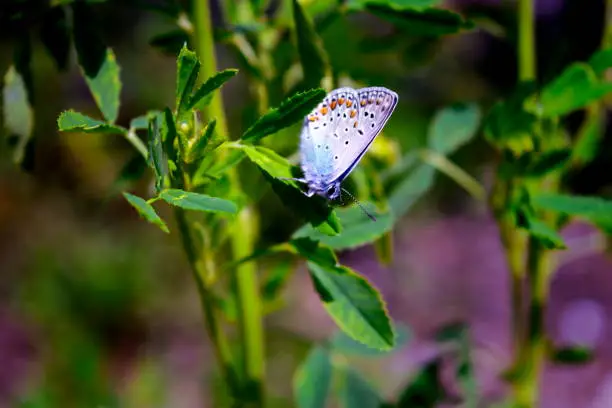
column 329, row 191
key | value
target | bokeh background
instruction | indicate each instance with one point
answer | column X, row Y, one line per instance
column 97, row 308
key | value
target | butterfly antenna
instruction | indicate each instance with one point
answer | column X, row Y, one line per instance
column 366, row 212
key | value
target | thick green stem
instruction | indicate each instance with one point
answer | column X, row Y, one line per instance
column 245, row 282
column 526, row 41
column 211, row 318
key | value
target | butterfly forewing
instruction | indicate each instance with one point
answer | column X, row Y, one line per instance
column 339, row 131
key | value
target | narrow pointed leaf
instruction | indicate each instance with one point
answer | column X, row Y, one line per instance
column 202, row 96
column 594, row 209
column 146, row 210
column 291, row 110
column 312, row 380
column 197, row 202
column 71, row 121
column 198, row 147
column 187, row 69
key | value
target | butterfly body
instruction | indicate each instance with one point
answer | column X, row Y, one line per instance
column 338, row 132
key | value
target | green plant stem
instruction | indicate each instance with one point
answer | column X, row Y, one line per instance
column 211, row 318
column 245, row 283
column 526, row 41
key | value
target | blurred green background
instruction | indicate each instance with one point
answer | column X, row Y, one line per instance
column 98, row 309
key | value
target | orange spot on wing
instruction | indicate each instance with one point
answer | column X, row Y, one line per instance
column 349, row 104
column 323, row 110
column 341, row 101
column 353, row 113
column 333, row 105
column 312, row 118
column 363, row 102
column 355, row 124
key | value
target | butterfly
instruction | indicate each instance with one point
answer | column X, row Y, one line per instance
column 338, row 132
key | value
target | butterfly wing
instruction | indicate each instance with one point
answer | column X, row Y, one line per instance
column 322, row 134
column 358, row 130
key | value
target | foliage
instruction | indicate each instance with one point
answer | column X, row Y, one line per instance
column 197, row 166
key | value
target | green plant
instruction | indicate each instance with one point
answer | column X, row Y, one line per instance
column 202, row 167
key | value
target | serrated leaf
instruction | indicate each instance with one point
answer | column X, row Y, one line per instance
column 349, row 298
column 357, row 392
column 425, row 389
column 55, row 35
column 594, row 209
column 431, row 22
column 342, row 343
column 71, row 121
column 146, row 210
column 358, row 229
column 312, row 380
column 97, row 62
column 575, row 88
column 187, row 69
column 313, row 209
column 314, row 59
column 453, row 127
column 408, row 191
column 601, row 61
column 572, row 355
column 197, row 148
column 290, row 111
column 202, row 96
column 197, row 202
column 18, row 116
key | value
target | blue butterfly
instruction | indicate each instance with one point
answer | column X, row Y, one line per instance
column 338, row 132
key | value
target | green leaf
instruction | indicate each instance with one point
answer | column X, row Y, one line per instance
column 71, row 121
column 508, row 125
column 197, row 148
column 344, row 344
column 275, row 279
column 453, row 127
column 594, row 209
column 601, row 61
column 97, row 62
column 142, row 122
column 350, row 299
column 55, row 35
column 358, row 229
column 197, row 202
column 431, row 22
column 424, row 390
column 202, row 96
column 576, row 87
column 408, row 191
column 146, row 210
column 290, row 111
column 534, row 165
column 573, row 355
column 18, row 116
column 312, row 380
column 544, row 233
column 314, row 59
column 157, row 158
column 589, row 138
column 356, row 392
column 314, row 209
column 187, row 69
column 359, row 5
